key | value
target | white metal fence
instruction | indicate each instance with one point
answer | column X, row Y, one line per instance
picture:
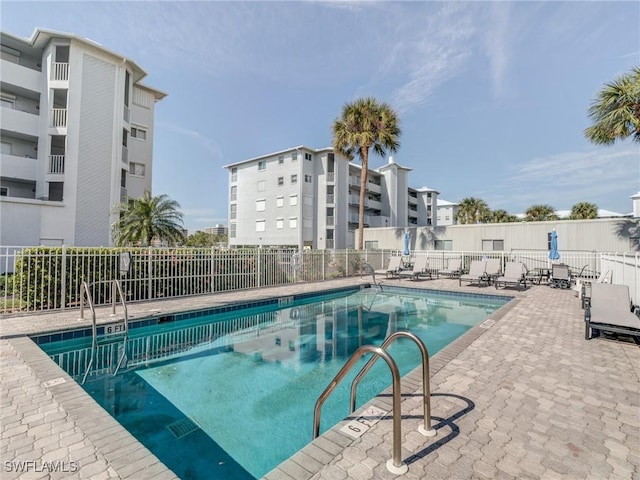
column 36, row 279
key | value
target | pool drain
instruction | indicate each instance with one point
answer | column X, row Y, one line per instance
column 183, row 427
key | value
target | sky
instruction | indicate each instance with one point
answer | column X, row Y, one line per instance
column 492, row 97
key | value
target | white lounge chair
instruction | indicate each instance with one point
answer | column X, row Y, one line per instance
column 514, row 275
column 493, row 269
column 609, row 310
column 476, row 273
column 393, row 268
column 454, row 268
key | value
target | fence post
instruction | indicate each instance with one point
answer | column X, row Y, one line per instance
column 150, row 272
column 211, row 269
column 63, row 285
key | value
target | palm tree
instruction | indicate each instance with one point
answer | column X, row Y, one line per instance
column 363, row 124
column 501, row 216
column 584, row 211
column 616, row 111
column 540, row 213
column 148, row 218
column 472, row 210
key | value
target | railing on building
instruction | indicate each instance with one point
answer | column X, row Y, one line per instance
column 331, row 176
column 36, row 279
column 59, row 117
column 125, row 155
column 330, row 199
column 330, row 221
column 123, row 194
column 56, row 164
column 59, row 71
column 127, row 114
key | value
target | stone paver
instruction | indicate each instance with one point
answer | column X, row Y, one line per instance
column 524, row 396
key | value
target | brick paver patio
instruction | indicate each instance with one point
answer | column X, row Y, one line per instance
column 521, row 396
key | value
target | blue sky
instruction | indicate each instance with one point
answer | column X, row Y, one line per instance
column 492, row 96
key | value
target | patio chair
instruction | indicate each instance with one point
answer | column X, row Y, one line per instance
column 560, row 276
column 609, row 310
column 393, row 267
column 420, row 266
column 493, row 269
column 514, row 275
column 454, row 268
column 477, row 273
column 584, row 288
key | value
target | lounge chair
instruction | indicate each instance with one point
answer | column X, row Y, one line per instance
column 560, row 276
column 454, row 268
column 493, row 269
column 609, row 310
column 476, row 273
column 420, row 266
column 514, row 275
column 393, row 268
column 584, row 288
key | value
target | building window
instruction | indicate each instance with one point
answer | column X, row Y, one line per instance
column 280, row 181
column 443, row 245
column 234, row 174
column 260, row 225
column 307, row 178
column 294, row 178
column 4, row 191
column 125, row 137
column 234, row 193
column 492, row 245
column 280, row 223
column 293, row 222
column 281, row 159
column 371, row 245
column 262, row 165
column 294, row 157
column 261, row 185
column 232, row 230
column 307, row 156
column 293, row 199
column 233, row 208
column 136, row 169
column 7, row 101
column 261, row 205
column 280, row 202
column 139, row 133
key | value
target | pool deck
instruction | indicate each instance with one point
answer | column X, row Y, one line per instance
column 522, row 395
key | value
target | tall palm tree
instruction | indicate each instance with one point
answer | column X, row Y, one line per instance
column 148, row 218
column 540, row 213
column 616, row 110
column 472, row 210
column 501, row 216
column 364, row 124
column 584, row 211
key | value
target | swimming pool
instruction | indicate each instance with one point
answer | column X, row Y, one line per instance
column 230, row 393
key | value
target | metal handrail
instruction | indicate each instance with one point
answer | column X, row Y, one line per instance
column 397, row 466
column 85, row 294
column 426, row 429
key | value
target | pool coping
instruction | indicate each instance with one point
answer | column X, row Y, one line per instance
column 131, row 459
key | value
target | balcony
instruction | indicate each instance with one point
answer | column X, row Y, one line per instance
column 125, row 155
column 123, row 194
column 354, row 199
column 413, row 200
column 374, row 187
column 331, row 177
column 330, row 199
column 330, row 221
column 354, row 181
column 372, row 204
column 60, row 71
column 19, row 167
column 15, row 74
column 20, row 122
column 59, row 117
column 56, row 164
column 127, row 114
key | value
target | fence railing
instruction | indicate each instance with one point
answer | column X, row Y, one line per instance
column 37, row 279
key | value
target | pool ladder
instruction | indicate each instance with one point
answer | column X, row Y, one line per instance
column 85, row 295
column 395, row 464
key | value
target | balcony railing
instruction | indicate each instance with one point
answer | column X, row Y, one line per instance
column 127, row 114
column 330, row 221
column 59, row 117
column 59, row 71
column 125, row 155
column 123, row 194
column 330, row 198
column 56, row 164
column 331, row 177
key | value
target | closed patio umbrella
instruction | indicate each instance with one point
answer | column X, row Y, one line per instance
column 407, row 238
column 553, row 250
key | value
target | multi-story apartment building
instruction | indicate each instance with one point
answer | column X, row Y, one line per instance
column 447, row 212
column 217, row 230
column 309, row 198
column 77, row 136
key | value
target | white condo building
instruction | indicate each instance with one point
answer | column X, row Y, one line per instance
column 308, row 198
column 77, row 136
column 447, row 212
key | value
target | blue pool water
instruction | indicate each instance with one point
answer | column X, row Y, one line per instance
column 231, row 395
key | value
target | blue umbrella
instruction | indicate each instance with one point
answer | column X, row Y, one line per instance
column 407, row 237
column 553, row 252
